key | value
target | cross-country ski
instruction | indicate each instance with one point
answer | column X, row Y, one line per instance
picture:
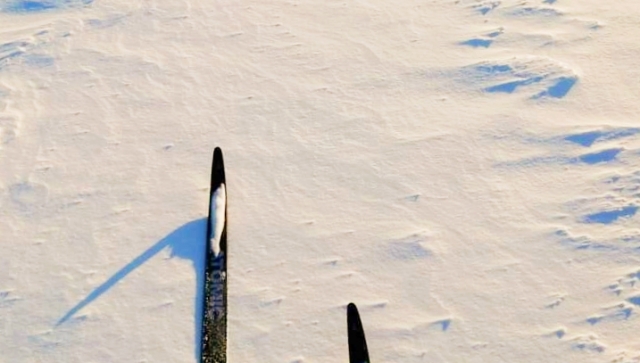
column 358, row 352
column 214, row 320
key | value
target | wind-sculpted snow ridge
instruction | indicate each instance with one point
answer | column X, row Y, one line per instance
column 410, row 248
column 510, row 8
column 598, row 157
column 618, row 312
column 524, row 11
column 624, row 244
column 27, row 51
column 30, row 51
column 589, row 344
column 522, row 29
column 22, row 52
column 8, row 123
column 535, row 77
column 617, row 205
column 605, row 160
column 588, row 138
column 603, row 146
column 597, row 223
column 7, row 298
column 37, row 6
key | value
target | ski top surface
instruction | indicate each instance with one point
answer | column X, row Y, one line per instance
column 214, row 319
column 358, row 352
column 216, row 225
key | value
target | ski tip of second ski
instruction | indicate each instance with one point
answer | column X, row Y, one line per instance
column 351, row 308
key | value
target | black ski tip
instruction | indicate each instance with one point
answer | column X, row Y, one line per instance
column 358, row 352
column 352, row 309
column 217, row 153
column 217, row 169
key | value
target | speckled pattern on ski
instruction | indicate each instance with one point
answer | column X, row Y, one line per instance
column 358, row 352
column 214, row 320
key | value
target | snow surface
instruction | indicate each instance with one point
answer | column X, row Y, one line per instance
column 466, row 171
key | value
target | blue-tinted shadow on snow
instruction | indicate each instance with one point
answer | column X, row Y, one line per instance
column 582, row 243
column 485, row 9
column 4, row 58
column 625, row 313
column 635, row 300
column 603, row 156
column 592, row 347
column 626, row 245
column 534, row 11
column 7, row 300
column 478, row 43
column 609, row 217
column 620, row 313
column 38, row 6
column 186, row 242
column 587, row 139
column 38, row 60
column 595, row 320
column 24, row 51
column 408, row 250
column 493, row 69
column 444, row 324
column 12, row 46
column 559, row 89
column 510, row 87
column 411, row 247
column 10, row 51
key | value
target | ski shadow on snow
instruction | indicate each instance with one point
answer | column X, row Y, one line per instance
column 186, row 242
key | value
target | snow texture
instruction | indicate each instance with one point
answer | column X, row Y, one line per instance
column 467, row 172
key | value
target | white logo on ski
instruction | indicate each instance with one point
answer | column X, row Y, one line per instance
column 218, row 208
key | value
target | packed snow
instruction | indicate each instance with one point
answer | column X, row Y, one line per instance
column 467, row 172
